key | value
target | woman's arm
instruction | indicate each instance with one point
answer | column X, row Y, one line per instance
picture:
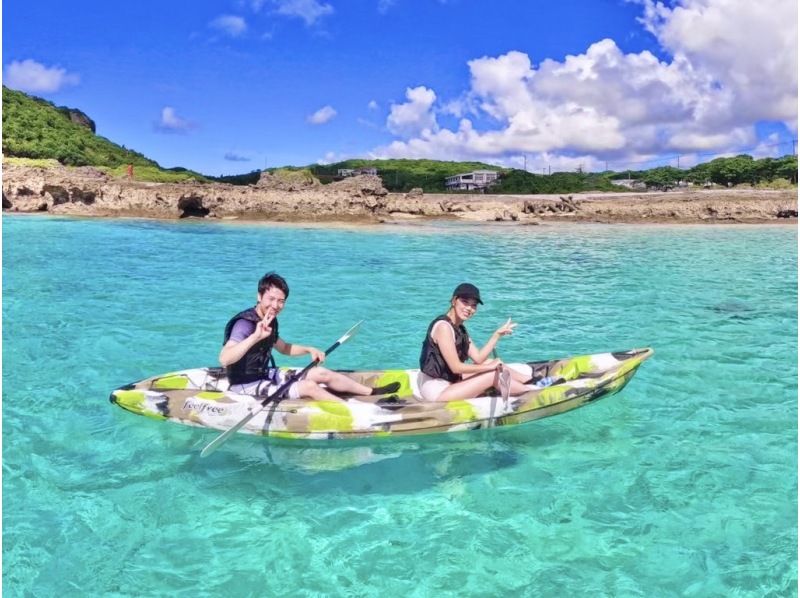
column 445, row 339
column 480, row 355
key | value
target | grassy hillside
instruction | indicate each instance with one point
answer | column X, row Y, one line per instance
column 37, row 129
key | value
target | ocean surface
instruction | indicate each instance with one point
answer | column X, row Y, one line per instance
column 684, row 484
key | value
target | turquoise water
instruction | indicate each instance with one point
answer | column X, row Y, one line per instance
column 685, row 484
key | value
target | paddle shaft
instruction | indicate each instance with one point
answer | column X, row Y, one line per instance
column 275, row 396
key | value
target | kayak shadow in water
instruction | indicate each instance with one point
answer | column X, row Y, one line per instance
column 380, row 466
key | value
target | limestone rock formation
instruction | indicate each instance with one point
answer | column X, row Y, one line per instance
column 90, row 192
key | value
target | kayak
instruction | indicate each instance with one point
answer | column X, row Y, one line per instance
column 201, row 397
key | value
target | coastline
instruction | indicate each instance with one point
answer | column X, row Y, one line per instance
column 87, row 192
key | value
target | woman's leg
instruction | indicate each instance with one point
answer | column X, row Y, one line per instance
column 470, row 388
column 476, row 385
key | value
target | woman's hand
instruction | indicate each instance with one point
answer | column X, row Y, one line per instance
column 491, row 364
column 506, row 329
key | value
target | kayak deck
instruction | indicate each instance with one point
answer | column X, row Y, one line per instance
column 200, row 397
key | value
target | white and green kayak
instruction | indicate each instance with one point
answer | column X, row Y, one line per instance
column 200, row 397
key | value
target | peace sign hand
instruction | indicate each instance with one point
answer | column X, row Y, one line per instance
column 507, row 328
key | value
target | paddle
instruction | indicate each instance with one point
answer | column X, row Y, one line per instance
column 274, row 397
column 504, row 382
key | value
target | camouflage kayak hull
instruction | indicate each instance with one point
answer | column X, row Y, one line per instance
column 200, row 397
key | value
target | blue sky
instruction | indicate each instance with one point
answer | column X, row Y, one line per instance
column 230, row 86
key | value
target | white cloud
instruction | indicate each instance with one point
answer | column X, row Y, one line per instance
column 415, row 116
column 229, row 24
column 34, row 77
column 172, row 123
column 385, row 5
column 373, row 105
column 308, row 10
column 749, row 48
column 321, row 116
column 732, row 63
column 236, row 157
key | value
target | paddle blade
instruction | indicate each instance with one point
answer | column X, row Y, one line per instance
column 505, row 384
column 214, row 444
column 350, row 333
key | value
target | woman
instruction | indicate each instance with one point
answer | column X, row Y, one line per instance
column 447, row 346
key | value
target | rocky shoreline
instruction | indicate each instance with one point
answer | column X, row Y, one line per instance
column 86, row 191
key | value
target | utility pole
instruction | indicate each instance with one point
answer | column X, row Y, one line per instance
column 679, row 161
column 548, row 170
column 794, row 147
column 525, row 162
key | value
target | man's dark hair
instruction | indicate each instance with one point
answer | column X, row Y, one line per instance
column 270, row 279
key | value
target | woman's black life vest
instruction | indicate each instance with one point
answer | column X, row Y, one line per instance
column 431, row 360
column 254, row 365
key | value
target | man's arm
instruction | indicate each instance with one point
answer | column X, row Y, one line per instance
column 235, row 348
column 293, row 350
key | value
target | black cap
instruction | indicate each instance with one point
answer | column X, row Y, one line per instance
column 468, row 291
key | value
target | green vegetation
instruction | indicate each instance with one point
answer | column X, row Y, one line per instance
column 250, row 178
column 36, row 129
column 154, row 174
column 736, row 170
column 519, row 181
column 32, row 162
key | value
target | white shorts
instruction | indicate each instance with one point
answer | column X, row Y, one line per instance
column 268, row 386
column 431, row 388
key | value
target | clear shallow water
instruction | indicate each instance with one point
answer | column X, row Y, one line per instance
column 683, row 484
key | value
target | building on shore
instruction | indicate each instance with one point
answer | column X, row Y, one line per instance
column 346, row 172
column 629, row 184
column 468, row 181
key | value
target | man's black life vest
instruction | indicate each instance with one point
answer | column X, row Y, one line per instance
column 431, row 361
column 255, row 363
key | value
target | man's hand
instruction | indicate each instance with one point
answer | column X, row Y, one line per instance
column 264, row 327
column 316, row 354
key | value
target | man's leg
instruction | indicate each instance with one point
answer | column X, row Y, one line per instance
column 345, row 385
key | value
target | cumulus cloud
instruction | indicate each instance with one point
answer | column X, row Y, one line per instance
column 229, row 24
column 415, row 116
column 34, row 77
column 309, row 10
column 749, row 48
column 172, row 123
column 731, row 64
column 373, row 105
column 321, row 116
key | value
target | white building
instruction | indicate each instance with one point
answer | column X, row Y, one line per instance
column 629, row 183
column 477, row 179
column 345, row 172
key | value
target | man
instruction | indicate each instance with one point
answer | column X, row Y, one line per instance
column 250, row 337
